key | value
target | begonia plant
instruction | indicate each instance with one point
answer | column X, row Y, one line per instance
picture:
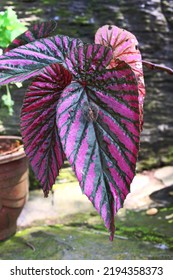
column 84, row 103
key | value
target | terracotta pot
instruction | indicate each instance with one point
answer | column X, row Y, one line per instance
column 14, row 184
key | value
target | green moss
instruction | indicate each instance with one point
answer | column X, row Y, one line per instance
column 142, row 233
column 83, row 236
column 168, row 210
column 135, row 226
column 84, row 19
column 149, row 159
column 63, row 13
column 49, row 2
column 68, row 242
column 29, row 244
column 154, row 229
column 168, row 157
column 148, row 163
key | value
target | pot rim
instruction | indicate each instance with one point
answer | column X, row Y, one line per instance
column 15, row 154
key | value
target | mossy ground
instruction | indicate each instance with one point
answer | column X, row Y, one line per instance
column 149, row 159
column 83, row 236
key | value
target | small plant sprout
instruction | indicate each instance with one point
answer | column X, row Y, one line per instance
column 85, row 103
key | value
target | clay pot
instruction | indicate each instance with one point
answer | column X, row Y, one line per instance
column 14, row 183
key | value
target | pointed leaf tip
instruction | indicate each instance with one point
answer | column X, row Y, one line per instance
column 38, row 124
column 98, row 124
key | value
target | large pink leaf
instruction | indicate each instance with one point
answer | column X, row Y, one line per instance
column 38, row 124
column 125, row 47
column 37, row 31
column 29, row 60
column 98, row 124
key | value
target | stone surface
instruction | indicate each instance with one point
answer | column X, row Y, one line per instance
column 68, row 198
column 165, row 174
column 164, row 196
column 152, row 211
column 83, row 236
column 142, row 186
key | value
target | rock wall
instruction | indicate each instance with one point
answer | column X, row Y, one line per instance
column 152, row 22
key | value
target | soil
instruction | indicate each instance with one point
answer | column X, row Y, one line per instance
column 9, row 145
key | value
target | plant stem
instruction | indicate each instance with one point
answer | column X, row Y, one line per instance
column 153, row 66
column 8, row 91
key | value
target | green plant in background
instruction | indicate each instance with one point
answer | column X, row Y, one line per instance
column 7, row 102
column 10, row 28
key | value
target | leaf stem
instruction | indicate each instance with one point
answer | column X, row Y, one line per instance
column 153, row 66
column 8, row 91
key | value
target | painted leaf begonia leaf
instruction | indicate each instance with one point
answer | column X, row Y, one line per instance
column 29, row 60
column 37, row 31
column 125, row 47
column 87, row 59
column 98, row 124
column 38, row 124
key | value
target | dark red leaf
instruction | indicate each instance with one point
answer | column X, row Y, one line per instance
column 38, row 124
